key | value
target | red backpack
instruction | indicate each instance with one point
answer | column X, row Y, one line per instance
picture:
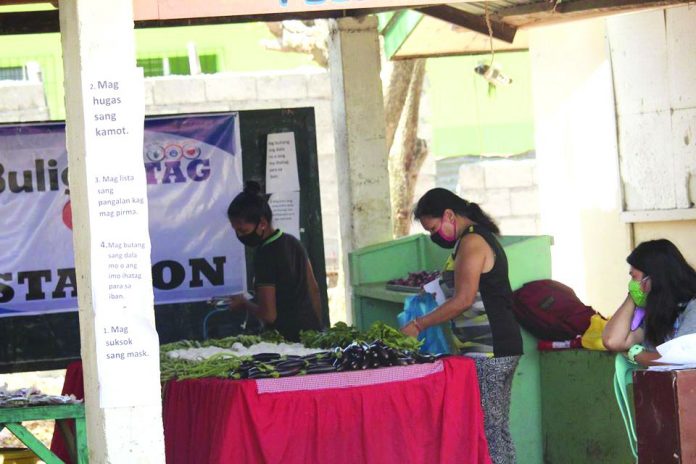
column 550, row 310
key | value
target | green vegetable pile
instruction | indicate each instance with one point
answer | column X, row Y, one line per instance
column 271, row 365
column 222, row 365
column 271, row 336
column 341, row 335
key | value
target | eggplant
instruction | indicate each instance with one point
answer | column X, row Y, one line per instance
column 322, row 362
column 378, row 343
column 383, row 354
column 290, row 371
column 393, row 355
column 341, row 366
column 255, row 373
column 265, row 357
column 356, row 357
column 355, row 348
column 310, row 358
column 290, row 364
column 423, row 357
column 320, row 369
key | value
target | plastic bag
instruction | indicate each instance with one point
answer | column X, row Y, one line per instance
column 592, row 338
column 434, row 340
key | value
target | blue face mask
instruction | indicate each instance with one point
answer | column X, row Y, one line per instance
column 635, row 289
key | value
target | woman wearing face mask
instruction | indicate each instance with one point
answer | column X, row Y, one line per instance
column 660, row 306
column 287, row 294
column 479, row 305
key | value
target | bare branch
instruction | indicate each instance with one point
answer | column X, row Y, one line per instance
column 309, row 37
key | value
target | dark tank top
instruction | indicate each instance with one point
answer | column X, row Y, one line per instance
column 489, row 327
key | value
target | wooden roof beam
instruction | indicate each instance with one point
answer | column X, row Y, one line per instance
column 29, row 22
column 476, row 23
column 39, row 22
column 578, row 6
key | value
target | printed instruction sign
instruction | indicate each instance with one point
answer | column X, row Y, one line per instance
column 281, row 163
column 286, row 212
column 122, row 298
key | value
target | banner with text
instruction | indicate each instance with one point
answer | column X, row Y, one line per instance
column 193, row 169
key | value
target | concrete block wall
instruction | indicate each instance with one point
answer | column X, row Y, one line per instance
column 655, row 107
column 267, row 90
column 22, row 102
column 506, row 188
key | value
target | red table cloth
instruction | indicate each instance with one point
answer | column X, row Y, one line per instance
column 73, row 385
column 427, row 413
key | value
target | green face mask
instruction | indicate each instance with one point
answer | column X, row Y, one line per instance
column 638, row 296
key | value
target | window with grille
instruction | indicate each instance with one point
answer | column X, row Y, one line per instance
column 176, row 65
column 151, row 66
column 12, row 73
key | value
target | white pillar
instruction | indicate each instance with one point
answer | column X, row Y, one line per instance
column 98, row 40
column 359, row 133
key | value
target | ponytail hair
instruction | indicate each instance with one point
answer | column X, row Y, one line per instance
column 437, row 200
column 250, row 205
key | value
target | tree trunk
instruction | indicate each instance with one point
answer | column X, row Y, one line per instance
column 395, row 96
column 407, row 152
column 402, row 96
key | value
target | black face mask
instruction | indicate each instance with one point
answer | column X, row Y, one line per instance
column 252, row 239
column 440, row 241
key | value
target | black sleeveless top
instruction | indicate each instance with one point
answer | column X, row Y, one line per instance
column 501, row 327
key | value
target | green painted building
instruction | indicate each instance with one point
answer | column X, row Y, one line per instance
column 161, row 51
column 467, row 117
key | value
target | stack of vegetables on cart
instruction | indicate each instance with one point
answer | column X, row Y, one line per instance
column 25, row 397
column 268, row 355
column 413, row 281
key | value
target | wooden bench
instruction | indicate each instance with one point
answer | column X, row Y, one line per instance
column 12, row 418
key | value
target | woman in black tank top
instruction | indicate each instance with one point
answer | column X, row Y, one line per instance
column 478, row 268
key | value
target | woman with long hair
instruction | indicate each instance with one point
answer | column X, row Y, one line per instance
column 662, row 290
column 287, row 293
column 479, row 305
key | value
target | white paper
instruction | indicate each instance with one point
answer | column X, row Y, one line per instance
column 127, row 353
column 672, row 367
column 281, row 163
column 286, row 212
column 127, row 345
column 679, row 351
column 434, row 287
